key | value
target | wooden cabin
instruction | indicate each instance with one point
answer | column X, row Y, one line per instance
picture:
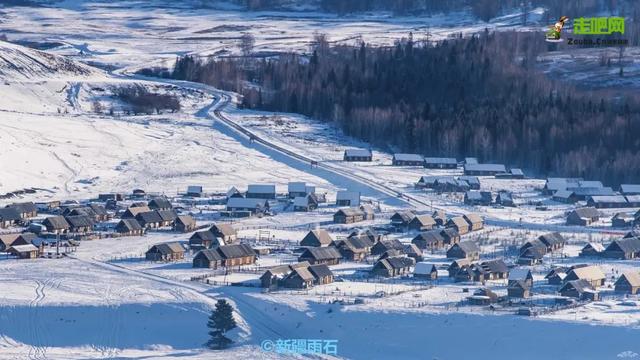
column 348, row 216
column 129, row 227
column 171, row 251
column 56, row 224
column 27, row 251
column 393, row 266
column 184, row 223
column 357, row 155
column 317, row 238
column 321, row 255
column 237, row 255
column 425, row 271
column 464, row 250
column 208, row 259
column 459, row 224
column 628, row 283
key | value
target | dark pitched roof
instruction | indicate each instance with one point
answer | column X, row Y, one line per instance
column 168, row 248
column 628, row 245
column 203, row 235
column 412, row 249
column 149, row 217
column 399, row 262
column 130, row 224
column 449, row 232
column 321, row 235
column 186, row 220
column 518, row 284
column 495, row 266
column 223, row 229
column 301, row 272
column 423, row 220
column 167, row 215
column 160, row 203
column 403, row 216
column 534, row 252
column 210, row 254
column 9, row 214
column 430, row 237
column 80, row 210
column 26, row 207
column 79, row 221
column 236, row 251
column 356, row 243
column 468, row 246
column 350, row 212
column 323, row 253
column 320, row 270
column 551, row 239
column 57, row 222
column 98, row 209
column 394, row 244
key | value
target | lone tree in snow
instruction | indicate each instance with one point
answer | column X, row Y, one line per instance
column 220, row 321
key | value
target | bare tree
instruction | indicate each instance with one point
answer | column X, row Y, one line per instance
column 97, row 107
column 320, row 43
column 247, row 42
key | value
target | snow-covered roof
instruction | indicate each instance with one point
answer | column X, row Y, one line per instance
column 357, row 152
column 590, row 184
column 297, row 186
column 630, row 188
column 562, row 194
column 24, row 248
column 423, row 268
column 618, row 199
column 245, row 202
column 486, row 167
column 440, row 160
column 261, row 189
column 408, row 157
column 633, row 198
column 352, row 196
column 519, row 274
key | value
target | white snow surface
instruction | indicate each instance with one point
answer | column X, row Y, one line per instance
column 106, row 302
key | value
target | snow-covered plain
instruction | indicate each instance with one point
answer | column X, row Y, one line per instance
column 103, row 302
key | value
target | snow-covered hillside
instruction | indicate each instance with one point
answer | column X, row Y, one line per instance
column 65, row 131
column 18, row 63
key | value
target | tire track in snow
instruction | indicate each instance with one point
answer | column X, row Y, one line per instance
column 37, row 351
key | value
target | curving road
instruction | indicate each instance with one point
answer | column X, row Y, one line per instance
column 331, row 172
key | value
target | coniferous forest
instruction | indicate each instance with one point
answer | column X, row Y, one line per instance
column 478, row 96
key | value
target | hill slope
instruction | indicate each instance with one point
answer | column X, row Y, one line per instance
column 21, row 63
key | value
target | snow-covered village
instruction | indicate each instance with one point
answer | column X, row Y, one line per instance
column 233, row 179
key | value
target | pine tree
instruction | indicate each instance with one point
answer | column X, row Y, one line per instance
column 220, row 321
